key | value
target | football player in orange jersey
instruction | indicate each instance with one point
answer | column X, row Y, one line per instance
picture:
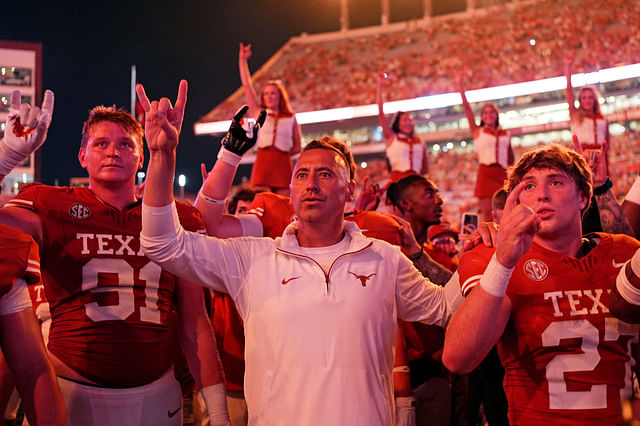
column 118, row 319
column 543, row 295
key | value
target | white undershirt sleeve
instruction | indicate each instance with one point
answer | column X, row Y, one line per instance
column 251, row 225
column 220, row 264
column 17, row 299
column 418, row 298
column 452, row 292
column 627, row 290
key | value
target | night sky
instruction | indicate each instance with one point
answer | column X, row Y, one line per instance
column 89, row 47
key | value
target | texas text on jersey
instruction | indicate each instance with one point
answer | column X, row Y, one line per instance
column 113, row 311
column 567, row 359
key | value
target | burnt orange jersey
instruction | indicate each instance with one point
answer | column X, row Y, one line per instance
column 567, row 359
column 113, row 312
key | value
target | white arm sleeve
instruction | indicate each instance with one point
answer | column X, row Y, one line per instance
column 627, row 290
column 418, row 298
column 251, row 225
column 17, row 299
column 212, row 262
column 452, row 292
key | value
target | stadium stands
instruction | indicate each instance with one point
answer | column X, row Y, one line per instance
column 496, row 45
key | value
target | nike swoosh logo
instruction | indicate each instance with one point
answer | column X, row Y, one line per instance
column 173, row 413
column 616, row 264
column 285, row 282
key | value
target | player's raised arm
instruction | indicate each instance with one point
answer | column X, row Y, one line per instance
column 25, row 131
column 480, row 321
column 214, row 191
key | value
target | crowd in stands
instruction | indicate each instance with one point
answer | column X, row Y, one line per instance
column 496, row 46
column 454, row 172
column 325, row 323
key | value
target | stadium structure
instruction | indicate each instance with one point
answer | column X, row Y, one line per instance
column 511, row 54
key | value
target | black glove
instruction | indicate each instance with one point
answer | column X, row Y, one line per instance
column 236, row 140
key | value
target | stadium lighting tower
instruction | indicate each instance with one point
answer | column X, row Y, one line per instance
column 182, row 181
column 344, row 15
column 426, row 9
column 384, row 15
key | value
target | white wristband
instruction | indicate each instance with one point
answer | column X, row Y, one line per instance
column 229, row 157
column 628, row 291
column 635, row 263
column 9, row 158
column 210, row 200
column 634, row 192
column 215, row 397
column 496, row 278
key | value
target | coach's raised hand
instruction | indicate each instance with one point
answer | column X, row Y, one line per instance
column 162, row 120
column 163, row 123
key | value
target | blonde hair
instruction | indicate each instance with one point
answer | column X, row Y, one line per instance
column 114, row 115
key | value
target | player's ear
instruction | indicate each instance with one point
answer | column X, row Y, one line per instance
column 583, row 201
column 406, row 205
column 81, row 157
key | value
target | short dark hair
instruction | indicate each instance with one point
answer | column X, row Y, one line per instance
column 556, row 157
column 397, row 190
column 244, row 193
column 115, row 115
column 332, row 144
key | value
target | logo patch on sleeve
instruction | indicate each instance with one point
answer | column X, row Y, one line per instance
column 79, row 211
